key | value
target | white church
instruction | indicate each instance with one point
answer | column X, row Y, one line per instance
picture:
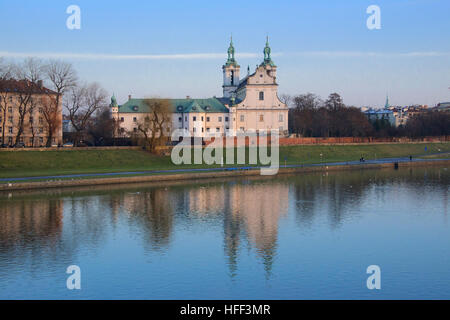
column 250, row 104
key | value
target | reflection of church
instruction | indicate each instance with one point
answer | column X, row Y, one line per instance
column 248, row 208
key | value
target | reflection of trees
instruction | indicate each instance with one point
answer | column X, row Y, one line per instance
column 52, row 228
column 152, row 212
column 340, row 193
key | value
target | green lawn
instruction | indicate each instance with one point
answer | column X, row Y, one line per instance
column 37, row 163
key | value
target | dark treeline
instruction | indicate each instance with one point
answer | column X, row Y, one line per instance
column 310, row 116
column 431, row 123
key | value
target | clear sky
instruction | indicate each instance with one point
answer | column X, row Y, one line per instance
column 177, row 48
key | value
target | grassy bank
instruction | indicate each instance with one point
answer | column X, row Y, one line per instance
column 38, row 163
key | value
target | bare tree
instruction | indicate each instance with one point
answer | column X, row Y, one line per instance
column 6, row 72
column 82, row 103
column 62, row 77
column 29, row 74
column 5, row 69
column 154, row 125
column 286, row 99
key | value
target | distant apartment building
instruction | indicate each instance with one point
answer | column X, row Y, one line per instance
column 248, row 104
column 443, row 107
column 396, row 115
column 32, row 107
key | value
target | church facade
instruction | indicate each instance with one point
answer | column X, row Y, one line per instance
column 250, row 104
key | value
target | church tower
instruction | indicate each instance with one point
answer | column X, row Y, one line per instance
column 230, row 73
column 268, row 64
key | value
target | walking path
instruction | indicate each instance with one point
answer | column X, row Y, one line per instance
column 169, row 171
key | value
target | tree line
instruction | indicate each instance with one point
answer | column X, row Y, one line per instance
column 310, row 116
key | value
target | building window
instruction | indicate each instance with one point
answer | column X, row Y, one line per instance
column 10, row 140
column 202, row 118
column 242, row 117
column 10, row 129
column 217, row 129
column 194, row 129
column 134, row 119
column 261, row 95
column 207, row 119
column 10, row 119
column 220, row 119
column 185, row 118
column 41, row 130
column 41, row 121
column 261, row 118
column 207, row 129
column 226, row 119
column 281, row 129
column 242, row 128
column 179, row 119
column 202, row 129
column 10, row 109
column 194, row 118
column 41, row 140
column 122, row 119
column 134, row 129
column 280, row 117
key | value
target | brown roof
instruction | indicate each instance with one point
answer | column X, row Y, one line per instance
column 21, row 86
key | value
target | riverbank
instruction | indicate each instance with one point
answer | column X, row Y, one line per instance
column 19, row 164
column 95, row 180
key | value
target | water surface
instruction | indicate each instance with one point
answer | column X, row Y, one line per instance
column 306, row 236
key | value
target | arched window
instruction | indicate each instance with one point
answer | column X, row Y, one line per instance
column 261, row 95
column 232, row 77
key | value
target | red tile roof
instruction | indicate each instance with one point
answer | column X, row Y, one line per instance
column 23, row 86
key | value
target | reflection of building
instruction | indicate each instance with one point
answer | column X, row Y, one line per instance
column 31, row 221
column 254, row 208
column 250, row 104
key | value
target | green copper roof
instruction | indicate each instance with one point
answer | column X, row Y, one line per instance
column 231, row 60
column 267, row 51
column 113, row 101
column 212, row 105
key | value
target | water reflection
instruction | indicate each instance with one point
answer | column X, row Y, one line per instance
column 53, row 225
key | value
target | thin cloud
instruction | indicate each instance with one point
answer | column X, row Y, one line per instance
column 355, row 54
column 205, row 56
column 102, row 56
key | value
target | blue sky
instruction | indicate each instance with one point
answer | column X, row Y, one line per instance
column 176, row 48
